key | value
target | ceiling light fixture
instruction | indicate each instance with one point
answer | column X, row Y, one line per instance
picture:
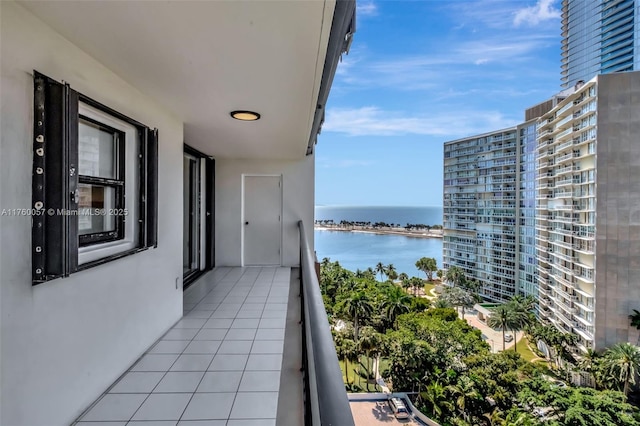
column 245, row 115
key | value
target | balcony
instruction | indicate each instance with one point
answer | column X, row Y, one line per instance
column 566, row 320
column 231, row 341
column 221, row 350
column 236, row 356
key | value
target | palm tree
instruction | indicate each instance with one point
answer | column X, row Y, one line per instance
column 346, row 348
column 466, row 397
column 406, row 284
column 358, row 306
column 397, row 302
column 589, row 363
column 416, row 283
column 369, row 343
column 403, row 277
column 521, row 308
column 441, row 303
column 380, row 269
column 370, row 273
column 454, row 276
column 623, row 363
column 390, row 271
column 502, row 317
column 526, row 303
column 436, row 398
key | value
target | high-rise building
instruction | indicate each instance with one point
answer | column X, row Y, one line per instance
column 489, row 208
column 588, row 211
column 558, row 217
column 599, row 37
column 480, row 210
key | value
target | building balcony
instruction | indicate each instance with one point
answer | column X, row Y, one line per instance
column 563, row 269
column 584, row 277
column 568, row 322
column 584, row 248
column 236, row 339
column 564, row 218
column 561, row 231
column 563, row 244
column 564, row 145
column 584, row 307
column 562, row 194
column 589, row 236
column 583, row 321
column 564, row 182
column 562, row 256
column 562, row 207
column 248, row 349
column 107, row 317
column 560, row 278
column 561, row 159
column 584, row 334
column 568, row 299
column 566, row 169
column 545, row 176
column 564, row 133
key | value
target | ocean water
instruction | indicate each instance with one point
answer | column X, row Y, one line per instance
column 417, row 215
column 359, row 250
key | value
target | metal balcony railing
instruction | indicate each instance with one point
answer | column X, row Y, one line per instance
column 325, row 398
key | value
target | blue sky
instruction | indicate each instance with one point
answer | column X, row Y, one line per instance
column 421, row 73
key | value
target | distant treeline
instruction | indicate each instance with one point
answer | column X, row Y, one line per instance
column 376, row 225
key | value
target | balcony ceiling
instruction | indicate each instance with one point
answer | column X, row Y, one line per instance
column 203, row 59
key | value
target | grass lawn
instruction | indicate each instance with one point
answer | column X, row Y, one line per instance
column 524, row 350
column 428, row 287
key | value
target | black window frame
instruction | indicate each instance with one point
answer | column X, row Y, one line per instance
column 55, row 240
column 117, row 183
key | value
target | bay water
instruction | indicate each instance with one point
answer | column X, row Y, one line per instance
column 361, row 250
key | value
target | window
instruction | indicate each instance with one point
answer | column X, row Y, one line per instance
column 101, row 177
column 94, row 182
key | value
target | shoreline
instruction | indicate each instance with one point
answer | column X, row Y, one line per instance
column 403, row 232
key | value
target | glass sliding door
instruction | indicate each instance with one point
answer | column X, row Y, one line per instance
column 191, row 216
column 198, row 225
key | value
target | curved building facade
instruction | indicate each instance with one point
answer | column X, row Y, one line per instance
column 598, row 37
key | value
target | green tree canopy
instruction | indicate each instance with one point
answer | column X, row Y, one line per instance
column 428, row 265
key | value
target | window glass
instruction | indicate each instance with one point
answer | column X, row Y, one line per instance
column 96, row 209
column 97, row 151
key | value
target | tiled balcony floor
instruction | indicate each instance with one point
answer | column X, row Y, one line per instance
column 219, row 366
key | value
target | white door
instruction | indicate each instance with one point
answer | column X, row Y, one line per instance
column 262, row 220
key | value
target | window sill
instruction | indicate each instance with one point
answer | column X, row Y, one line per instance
column 95, row 252
column 110, row 258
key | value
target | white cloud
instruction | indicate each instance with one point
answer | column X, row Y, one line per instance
column 372, row 121
column 368, row 8
column 495, row 14
column 436, row 70
column 533, row 15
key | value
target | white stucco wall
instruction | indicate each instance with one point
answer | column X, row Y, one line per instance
column 65, row 341
column 297, row 199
